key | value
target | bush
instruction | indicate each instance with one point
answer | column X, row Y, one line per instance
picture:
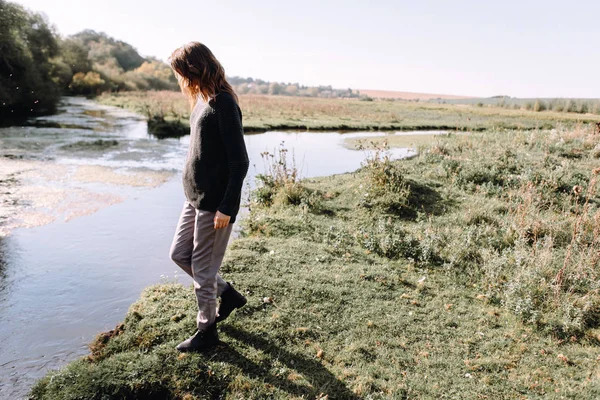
column 280, row 184
column 385, row 186
column 545, row 281
column 87, row 83
column 539, row 106
column 388, row 240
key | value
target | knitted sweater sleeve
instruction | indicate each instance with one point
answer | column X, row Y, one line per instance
column 232, row 133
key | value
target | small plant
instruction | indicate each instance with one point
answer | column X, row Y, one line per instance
column 280, row 183
column 388, row 240
column 278, row 168
column 583, row 253
column 386, row 187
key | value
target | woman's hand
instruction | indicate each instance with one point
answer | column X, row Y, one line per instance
column 221, row 220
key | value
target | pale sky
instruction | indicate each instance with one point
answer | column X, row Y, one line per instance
column 526, row 48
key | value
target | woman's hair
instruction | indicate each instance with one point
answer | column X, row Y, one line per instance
column 199, row 73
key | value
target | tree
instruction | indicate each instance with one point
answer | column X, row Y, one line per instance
column 88, row 83
column 27, row 45
column 274, row 88
column 75, row 54
column 105, row 49
column 291, row 90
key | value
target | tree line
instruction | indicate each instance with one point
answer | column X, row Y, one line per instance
column 258, row 86
column 37, row 66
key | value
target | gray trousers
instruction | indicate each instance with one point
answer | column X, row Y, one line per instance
column 198, row 248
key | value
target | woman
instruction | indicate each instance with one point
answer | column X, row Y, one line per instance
column 213, row 176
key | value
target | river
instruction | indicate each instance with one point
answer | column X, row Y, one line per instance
column 89, row 204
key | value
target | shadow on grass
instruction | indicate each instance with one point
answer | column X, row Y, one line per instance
column 425, row 198
column 422, row 198
column 322, row 381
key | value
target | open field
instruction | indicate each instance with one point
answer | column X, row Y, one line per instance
column 389, row 94
column 263, row 112
column 470, row 271
column 579, row 106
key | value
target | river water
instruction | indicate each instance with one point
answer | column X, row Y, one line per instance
column 90, row 205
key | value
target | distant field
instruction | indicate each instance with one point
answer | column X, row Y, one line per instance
column 388, row 94
column 509, row 100
column 566, row 105
column 263, row 112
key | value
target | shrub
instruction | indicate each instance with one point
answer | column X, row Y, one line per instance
column 570, row 106
column 540, row 279
column 385, row 186
column 280, row 184
column 557, row 105
column 583, row 107
column 387, row 239
column 539, row 106
column 87, row 83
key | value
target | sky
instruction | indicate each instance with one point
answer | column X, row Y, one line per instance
column 526, row 48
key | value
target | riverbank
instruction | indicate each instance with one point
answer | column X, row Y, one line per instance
column 469, row 271
column 169, row 112
column 88, row 197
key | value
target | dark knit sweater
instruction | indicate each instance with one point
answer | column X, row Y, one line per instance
column 217, row 160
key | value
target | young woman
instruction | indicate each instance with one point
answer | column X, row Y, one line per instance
column 213, row 176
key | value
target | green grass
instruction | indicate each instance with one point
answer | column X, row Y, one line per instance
column 391, row 140
column 468, row 272
column 263, row 112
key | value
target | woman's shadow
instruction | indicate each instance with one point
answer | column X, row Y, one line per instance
column 322, row 382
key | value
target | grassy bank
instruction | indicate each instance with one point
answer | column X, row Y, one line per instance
column 280, row 112
column 470, row 271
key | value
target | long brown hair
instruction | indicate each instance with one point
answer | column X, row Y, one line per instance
column 199, row 72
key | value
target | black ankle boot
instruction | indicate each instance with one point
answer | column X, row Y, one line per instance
column 201, row 340
column 230, row 300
